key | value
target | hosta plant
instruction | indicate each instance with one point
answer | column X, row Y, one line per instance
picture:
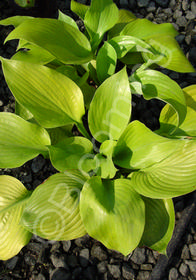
column 25, row 3
column 73, row 94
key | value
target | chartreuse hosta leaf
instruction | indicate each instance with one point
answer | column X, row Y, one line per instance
column 110, row 109
column 104, row 167
column 139, row 147
column 69, row 153
column 143, row 28
column 52, row 98
column 169, row 54
column 52, row 211
column 13, row 197
column 175, row 175
column 125, row 17
column 169, row 121
column 20, row 140
column 25, row 3
column 67, row 19
column 79, row 8
column 159, row 224
column 15, row 21
column 115, row 215
column 154, row 84
column 59, row 38
column 99, row 18
column 106, row 62
column 125, row 44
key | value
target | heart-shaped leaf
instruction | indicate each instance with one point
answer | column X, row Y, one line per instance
column 110, row 109
column 159, row 225
column 52, row 98
column 69, row 153
column 106, row 62
column 115, row 215
column 13, row 196
column 173, row 176
column 61, row 39
column 20, row 140
column 139, row 147
column 52, row 211
column 169, row 121
column 154, row 84
column 99, row 18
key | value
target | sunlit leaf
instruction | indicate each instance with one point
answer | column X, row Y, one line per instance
column 115, row 215
column 15, row 20
column 52, row 211
column 159, row 225
column 79, row 9
column 52, row 98
column 61, row 39
column 110, row 109
column 20, row 140
column 104, row 167
column 13, row 197
column 67, row 19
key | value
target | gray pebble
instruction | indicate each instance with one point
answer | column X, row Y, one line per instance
column 124, row 3
column 114, row 270
column 55, row 247
column 183, row 269
column 190, row 15
column 162, row 3
column 143, row 275
column 139, row 256
column 99, row 253
column 193, row 7
column 40, row 276
column 102, row 267
column 1, row 103
column 191, row 265
column 127, row 272
column 192, row 248
column 173, row 274
column 181, row 21
column 192, row 55
column 168, row 12
column 58, row 261
column 72, row 261
column 61, row 274
column 76, row 273
column 172, row 3
column 37, row 164
column 142, row 3
column 185, row 255
column 177, row 14
column 146, row 266
column 11, row 263
column 84, row 257
column 66, row 245
column 89, row 273
column 185, row 5
column 151, row 7
column 81, row 241
column 29, row 260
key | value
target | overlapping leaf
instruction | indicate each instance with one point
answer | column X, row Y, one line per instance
column 67, row 19
column 168, row 118
column 79, row 8
column 20, row 140
column 154, row 84
column 115, row 215
column 110, row 109
column 52, row 211
column 61, row 39
column 52, row 98
column 15, row 20
column 13, row 197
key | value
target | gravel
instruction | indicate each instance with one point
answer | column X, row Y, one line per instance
column 85, row 258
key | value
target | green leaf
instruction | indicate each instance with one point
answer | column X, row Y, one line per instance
column 67, row 19
column 70, row 153
column 159, row 225
column 155, row 84
column 110, row 109
column 15, row 20
column 20, row 140
column 125, row 44
column 104, row 167
column 132, row 58
column 61, row 39
column 14, row 197
column 169, row 121
column 106, row 62
column 100, row 17
column 52, row 98
column 79, row 9
column 58, row 134
column 125, row 17
column 52, row 211
column 107, row 147
column 115, row 215
column 33, row 54
column 169, row 54
column 25, row 3
column 173, row 176
column 143, row 28
column 139, row 147
column 22, row 112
